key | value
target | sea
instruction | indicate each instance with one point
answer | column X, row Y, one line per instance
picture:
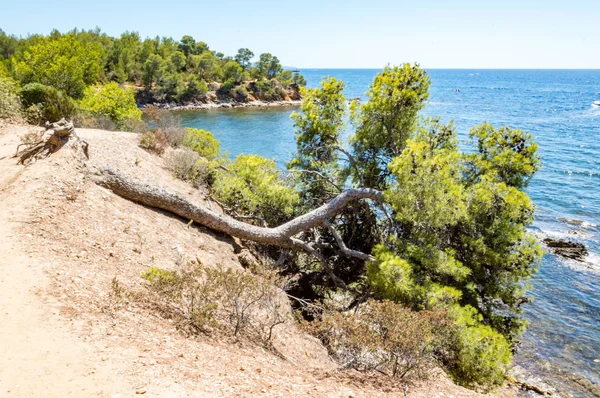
column 561, row 347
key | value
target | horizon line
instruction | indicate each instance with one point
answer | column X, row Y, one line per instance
column 438, row 68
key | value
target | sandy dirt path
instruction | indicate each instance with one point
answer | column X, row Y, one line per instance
column 39, row 357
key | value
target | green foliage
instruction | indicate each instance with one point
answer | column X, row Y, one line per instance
column 265, row 89
column 478, row 356
column 64, row 63
column 227, row 86
column 387, row 120
column 112, row 101
column 187, row 45
column 243, row 57
column 504, row 154
column 9, row 102
column 153, row 70
column 202, row 142
column 209, row 67
column 232, row 71
column 170, row 71
column 51, row 104
column 171, row 87
column 240, row 93
column 178, row 60
column 268, row 66
column 194, row 89
column 318, row 128
column 285, row 78
column 426, row 192
column 456, row 237
column 252, row 186
column 299, row 79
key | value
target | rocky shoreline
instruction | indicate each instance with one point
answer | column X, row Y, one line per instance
column 224, row 105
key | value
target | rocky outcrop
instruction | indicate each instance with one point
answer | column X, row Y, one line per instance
column 565, row 248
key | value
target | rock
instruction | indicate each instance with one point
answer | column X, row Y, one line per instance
column 566, row 248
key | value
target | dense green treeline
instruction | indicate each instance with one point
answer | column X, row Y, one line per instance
column 159, row 69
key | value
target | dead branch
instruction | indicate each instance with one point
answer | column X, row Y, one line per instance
column 281, row 236
column 54, row 138
column 342, row 245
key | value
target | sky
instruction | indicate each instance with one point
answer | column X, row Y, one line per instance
column 346, row 34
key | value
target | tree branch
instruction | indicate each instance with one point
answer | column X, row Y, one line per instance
column 281, row 236
column 342, row 245
column 324, row 177
column 352, row 163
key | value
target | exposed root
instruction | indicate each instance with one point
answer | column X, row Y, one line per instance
column 38, row 146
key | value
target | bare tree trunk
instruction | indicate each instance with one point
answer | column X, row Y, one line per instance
column 281, row 236
column 57, row 135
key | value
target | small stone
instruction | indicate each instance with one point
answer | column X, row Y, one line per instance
column 140, row 391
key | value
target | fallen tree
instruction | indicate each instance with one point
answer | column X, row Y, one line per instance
column 284, row 236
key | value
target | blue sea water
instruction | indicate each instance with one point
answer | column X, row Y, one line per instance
column 562, row 343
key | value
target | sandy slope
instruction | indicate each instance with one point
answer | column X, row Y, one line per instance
column 64, row 239
column 37, row 356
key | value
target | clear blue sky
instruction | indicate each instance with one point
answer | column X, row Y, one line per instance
column 347, row 34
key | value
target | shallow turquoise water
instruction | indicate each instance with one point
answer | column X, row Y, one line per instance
column 563, row 339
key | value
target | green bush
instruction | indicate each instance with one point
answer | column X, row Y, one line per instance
column 52, row 104
column 267, row 90
column 9, row 102
column 63, row 62
column 240, row 93
column 189, row 166
column 477, row 356
column 227, row 86
column 252, row 186
column 194, row 89
column 202, row 142
column 112, row 101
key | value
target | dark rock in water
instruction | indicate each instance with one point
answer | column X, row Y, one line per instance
column 568, row 249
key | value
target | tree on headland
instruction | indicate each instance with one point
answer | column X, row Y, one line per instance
column 168, row 70
column 402, row 216
column 268, row 66
column 244, row 57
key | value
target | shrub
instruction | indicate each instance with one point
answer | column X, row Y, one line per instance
column 112, row 101
column 189, row 166
column 240, row 93
column 202, row 142
column 383, row 336
column 203, row 299
column 477, row 356
column 253, row 186
column 93, row 121
column 63, row 62
column 227, row 87
column 168, row 122
column 135, row 126
column 9, row 102
column 154, row 141
column 194, row 88
column 34, row 115
column 52, row 104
